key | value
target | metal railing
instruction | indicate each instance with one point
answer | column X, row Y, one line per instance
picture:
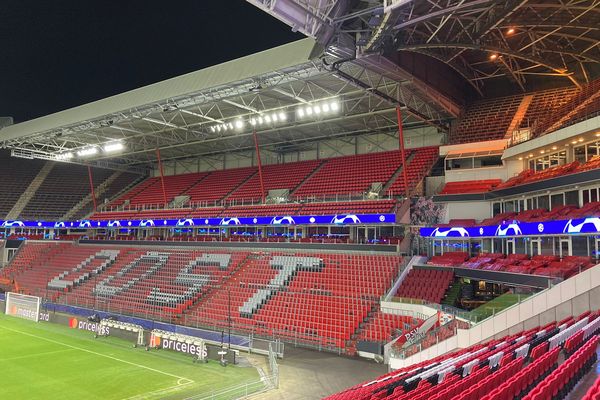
column 199, row 205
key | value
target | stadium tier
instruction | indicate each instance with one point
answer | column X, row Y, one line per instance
column 525, row 365
column 17, row 175
column 61, row 190
column 544, row 265
column 278, row 176
column 542, row 112
column 315, row 298
column 353, row 176
column 426, row 284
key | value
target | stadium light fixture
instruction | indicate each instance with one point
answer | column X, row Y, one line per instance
column 64, row 156
column 90, row 151
column 510, row 31
column 493, row 56
column 319, row 109
column 239, row 124
column 282, row 116
column 112, row 147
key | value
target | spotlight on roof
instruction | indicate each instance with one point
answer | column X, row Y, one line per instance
column 493, row 56
column 510, row 31
column 213, row 129
column 253, row 121
column 64, row 156
column 274, row 117
column 90, row 151
column 239, row 124
column 300, row 112
column 112, row 147
column 261, row 120
column 282, row 116
column 267, row 119
column 335, row 106
column 308, row 110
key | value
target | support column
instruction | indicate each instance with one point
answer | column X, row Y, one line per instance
column 92, row 187
column 260, row 174
column 402, row 155
column 162, row 176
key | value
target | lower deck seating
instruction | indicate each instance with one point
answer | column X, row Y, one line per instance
column 426, row 284
column 504, row 368
column 320, row 299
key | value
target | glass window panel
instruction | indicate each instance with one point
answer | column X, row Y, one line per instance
column 572, row 198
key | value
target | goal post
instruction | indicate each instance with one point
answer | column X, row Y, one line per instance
column 23, row 306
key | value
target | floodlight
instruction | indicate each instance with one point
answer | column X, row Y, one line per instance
column 317, row 109
column 261, row 120
column 113, row 147
column 87, row 152
column 253, row 122
column 309, row 110
column 267, row 119
column 212, row 129
column 282, row 116
column 231, row 125
column 335, row 106
column 300, row 112
column 325, row 107
column 64, row 156
column 274, row 117
column 239, row 124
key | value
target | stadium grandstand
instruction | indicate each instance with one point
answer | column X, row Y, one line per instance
column 412, row 189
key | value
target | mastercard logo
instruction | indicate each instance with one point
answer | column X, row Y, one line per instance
column 13, row 310
column 155, row 341
column 73, row 323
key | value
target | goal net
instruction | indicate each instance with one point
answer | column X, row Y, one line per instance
column 23, row 306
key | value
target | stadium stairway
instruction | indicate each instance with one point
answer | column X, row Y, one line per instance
column 308, row 177
column 351, row 344
column 398, row 174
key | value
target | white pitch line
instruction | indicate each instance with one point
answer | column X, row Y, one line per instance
column 100, row 354
column 165, row 391
column 35, row 355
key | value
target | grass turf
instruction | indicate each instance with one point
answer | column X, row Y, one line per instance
column 48, row 361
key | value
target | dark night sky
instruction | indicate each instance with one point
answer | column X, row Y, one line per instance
column 62, row 53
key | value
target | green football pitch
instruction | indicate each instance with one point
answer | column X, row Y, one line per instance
column 48, row 361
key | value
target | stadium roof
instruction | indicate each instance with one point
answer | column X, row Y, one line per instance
column 484, row 41
column 202, row 113
column 368, row 57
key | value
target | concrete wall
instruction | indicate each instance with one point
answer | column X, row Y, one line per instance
column 569, row 298
column 467, row 210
